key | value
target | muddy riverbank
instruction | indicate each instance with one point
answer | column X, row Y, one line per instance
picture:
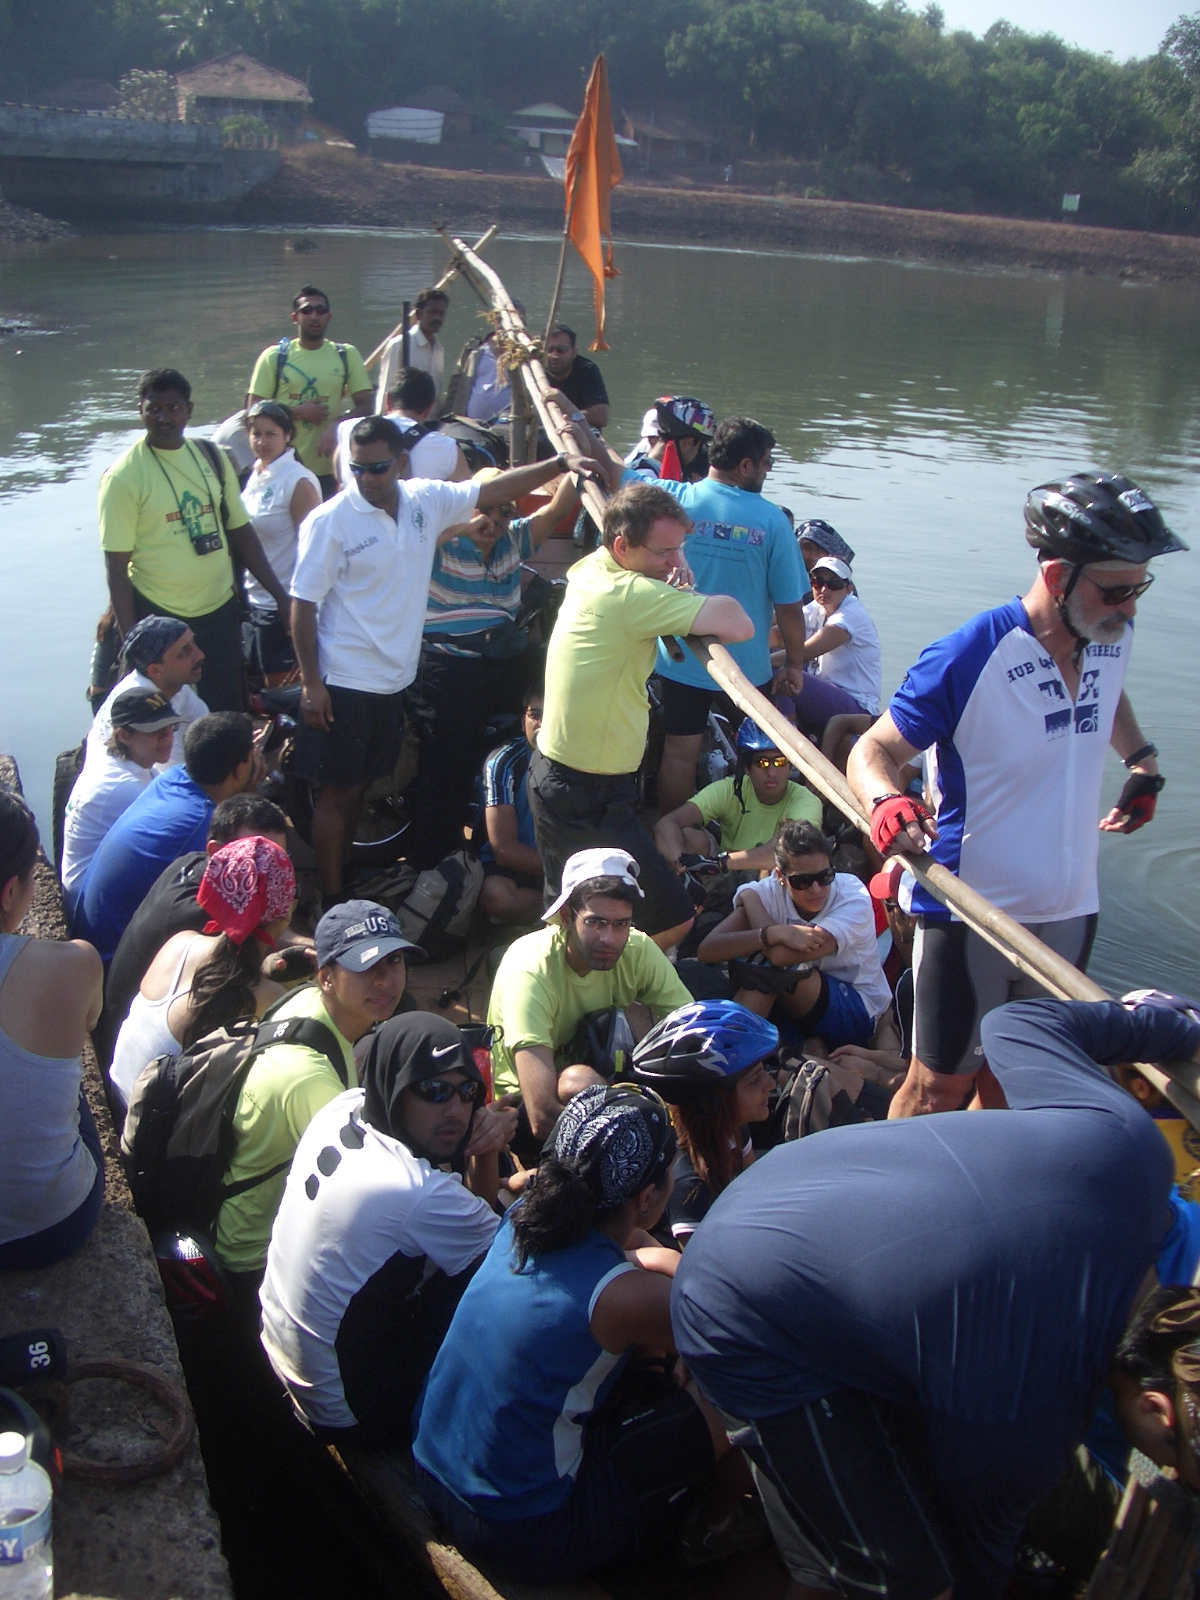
column 334, row 188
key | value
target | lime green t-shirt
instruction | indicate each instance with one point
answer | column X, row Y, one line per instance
column 160, row 505
column 718, row 803
column 311, row 375
column 601, row 653
column 537, row 999
column 286, row 1087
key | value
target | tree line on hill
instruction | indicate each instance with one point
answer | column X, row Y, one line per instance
column 869, row 99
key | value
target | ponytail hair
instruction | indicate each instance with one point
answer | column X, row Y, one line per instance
column 19, row 841
column 559, row 1209
column 223, row 988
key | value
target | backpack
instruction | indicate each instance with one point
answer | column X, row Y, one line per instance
column 281, row 361
column 433, row 907
column 178, row 1139
column 824, row 1094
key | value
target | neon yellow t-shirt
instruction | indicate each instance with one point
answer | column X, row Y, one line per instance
column 311, row 375
column 285, row 1088
column 164, row 507
column 718, row 803
column 601, row 653
column 537, row 999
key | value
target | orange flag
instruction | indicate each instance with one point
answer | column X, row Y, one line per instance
column 593, row 171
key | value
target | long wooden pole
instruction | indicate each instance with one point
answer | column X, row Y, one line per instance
column 444, row 282
column 1179, row 1081
column 562, row 267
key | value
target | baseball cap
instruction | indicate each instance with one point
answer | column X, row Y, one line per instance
column 832, row 564
column 597, row 863
column 357, row 934
column 143, row 710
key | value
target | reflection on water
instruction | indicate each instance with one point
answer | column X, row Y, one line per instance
column 913, row 408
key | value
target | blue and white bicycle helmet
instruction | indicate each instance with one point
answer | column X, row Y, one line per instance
column 702, row 1046
column 751, row 737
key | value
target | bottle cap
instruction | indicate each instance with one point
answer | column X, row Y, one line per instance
column 14, row 1450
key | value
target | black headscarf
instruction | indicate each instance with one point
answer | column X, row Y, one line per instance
column 403, row 1052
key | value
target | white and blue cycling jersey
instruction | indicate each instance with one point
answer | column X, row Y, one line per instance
column 1016, row 764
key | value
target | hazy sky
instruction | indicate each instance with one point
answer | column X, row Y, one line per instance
column 1125, row 27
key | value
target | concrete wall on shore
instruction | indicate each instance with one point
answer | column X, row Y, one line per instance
column 157, row 1540
column 77, row 164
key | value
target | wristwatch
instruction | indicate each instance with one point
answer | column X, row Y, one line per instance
column 880, row 798
column 578, row 416
column 723, row 860
column 1143, row 754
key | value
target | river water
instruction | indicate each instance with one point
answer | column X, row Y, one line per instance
column 913, row 407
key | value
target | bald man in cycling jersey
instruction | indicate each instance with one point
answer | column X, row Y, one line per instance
column 1018, row 707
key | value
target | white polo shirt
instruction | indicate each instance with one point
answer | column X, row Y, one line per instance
column 369, row 579
column 849, row 916
column 434, row 456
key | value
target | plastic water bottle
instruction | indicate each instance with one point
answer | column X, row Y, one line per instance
column 26, row 1561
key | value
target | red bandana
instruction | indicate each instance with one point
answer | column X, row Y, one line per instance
column 245, row 884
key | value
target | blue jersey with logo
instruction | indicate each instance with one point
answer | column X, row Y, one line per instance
column 501, row 1422
column 740, row 545
column 1017, row 763
column 504, row 774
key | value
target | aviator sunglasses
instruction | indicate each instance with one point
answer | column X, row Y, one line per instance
column 437, row 1091
column 806, row 880
column 374, row 469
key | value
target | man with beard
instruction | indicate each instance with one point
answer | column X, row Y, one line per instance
column 1017, row 707
column 588, row 958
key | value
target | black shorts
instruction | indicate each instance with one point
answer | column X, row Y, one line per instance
column 685, row 708
column 958, row 978
column 575, row 811
column 846, row 1506
column 523, row 880
column 268, row 644
column 630, row 1498
column 363, row 743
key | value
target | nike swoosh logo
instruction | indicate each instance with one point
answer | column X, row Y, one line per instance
column 446, row 1050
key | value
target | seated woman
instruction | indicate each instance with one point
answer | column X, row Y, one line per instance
column 374, row 1241
column 279, row 493
column 801, row 946
column 51, row 1167
column 113, row 775
column 707, row 1061
column 844, row 679
column 517, row 1451
column 199, row 981
column 748, row 823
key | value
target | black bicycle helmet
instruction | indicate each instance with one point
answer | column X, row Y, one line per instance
column 1096, row 517
column 700, row 1047
column 603, row 1040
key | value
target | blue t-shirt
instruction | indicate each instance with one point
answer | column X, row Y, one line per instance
column 504, row 785
column 501, row 1421
column 740, row 545
column 468, row 594
column 167, row 820
column 978, row 1267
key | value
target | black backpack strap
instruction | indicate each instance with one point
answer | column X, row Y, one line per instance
column 455, row 875
column 281, row 360
column 341, row 350
column 214, row 455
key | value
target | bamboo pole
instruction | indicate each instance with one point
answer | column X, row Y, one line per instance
column 1179, row 1081
column 562, row 267
column 444, row 282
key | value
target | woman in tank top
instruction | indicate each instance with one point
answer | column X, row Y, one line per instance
column 51, row 1167
column 199, row 981
column 527, row 1448
column 280, row 492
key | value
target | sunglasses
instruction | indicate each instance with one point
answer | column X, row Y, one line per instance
column 828, row 580
column 312, row 311
column 373, row 469
column 437, row 1091
column 806, row 880
column 1118, row 593
column 770, row 761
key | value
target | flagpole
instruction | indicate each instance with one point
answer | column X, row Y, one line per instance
column 562, row 267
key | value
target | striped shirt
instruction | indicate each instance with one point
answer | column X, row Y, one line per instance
column 468, row 594
column 504, row 785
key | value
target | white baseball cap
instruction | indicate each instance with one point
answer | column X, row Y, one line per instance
column 832, row 564
column 599, row 863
